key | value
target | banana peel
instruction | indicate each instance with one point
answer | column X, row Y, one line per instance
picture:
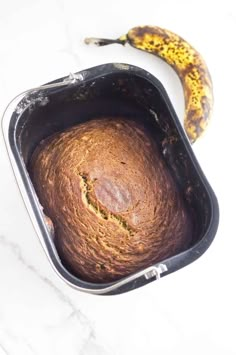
column 187, row 63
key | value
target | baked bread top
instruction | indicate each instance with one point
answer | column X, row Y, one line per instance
column 112, row 200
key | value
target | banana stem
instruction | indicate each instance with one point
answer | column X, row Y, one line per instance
column 104, row 41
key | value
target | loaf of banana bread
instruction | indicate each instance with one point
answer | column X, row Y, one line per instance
column 113, row 202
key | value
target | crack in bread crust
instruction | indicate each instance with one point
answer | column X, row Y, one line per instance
column 101, row 212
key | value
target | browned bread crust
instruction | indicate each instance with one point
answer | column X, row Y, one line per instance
column 114, row 205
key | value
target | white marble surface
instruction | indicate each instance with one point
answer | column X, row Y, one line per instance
column 190, row 312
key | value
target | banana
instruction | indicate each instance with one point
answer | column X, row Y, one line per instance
column 188, row 64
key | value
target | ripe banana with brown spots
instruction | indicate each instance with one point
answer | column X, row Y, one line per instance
column 188, row 64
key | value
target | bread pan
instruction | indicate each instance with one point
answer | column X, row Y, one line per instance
column 115, row 90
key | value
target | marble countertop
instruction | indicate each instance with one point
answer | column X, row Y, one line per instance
column 189, row 312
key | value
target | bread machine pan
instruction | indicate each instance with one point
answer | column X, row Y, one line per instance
column 115, row 90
